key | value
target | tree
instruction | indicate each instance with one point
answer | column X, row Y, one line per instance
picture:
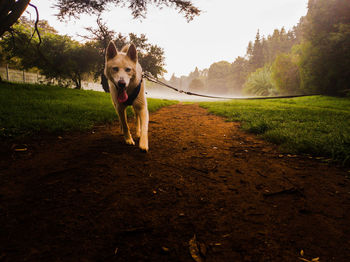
column 285, row 73
column 257, row 56
column 101, row 37
column 239, row 73
column 249, row 53
column 325, row 57
column 151, row 57
column 194, row 74
column 63, row 59
column 67, row 59
column 196, row 85
column 11, row 10
column 16, row 45
column 218, row 75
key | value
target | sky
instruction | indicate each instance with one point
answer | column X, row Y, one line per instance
column 221, row 32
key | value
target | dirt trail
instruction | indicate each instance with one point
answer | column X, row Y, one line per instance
column 90, row 197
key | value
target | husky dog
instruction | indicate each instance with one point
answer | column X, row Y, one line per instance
column 124, row 75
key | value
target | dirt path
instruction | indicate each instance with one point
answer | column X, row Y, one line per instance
column 89, row 197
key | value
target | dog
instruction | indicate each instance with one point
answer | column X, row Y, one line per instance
column 124, row 74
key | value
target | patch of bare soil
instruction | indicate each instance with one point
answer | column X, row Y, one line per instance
column 90, row 197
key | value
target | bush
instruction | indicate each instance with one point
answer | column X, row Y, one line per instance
column 260, row 83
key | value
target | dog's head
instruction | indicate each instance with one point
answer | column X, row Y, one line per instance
column 120, row 68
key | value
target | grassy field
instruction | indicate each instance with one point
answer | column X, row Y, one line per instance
column 317, row 125
column 27, row 109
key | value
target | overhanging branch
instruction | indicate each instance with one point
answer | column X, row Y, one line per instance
column 36, row 24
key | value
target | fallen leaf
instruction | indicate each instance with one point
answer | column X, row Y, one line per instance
column 165, row 249
column 195, row 249
column 303, row 259
column 316, row 259
column 21, row 149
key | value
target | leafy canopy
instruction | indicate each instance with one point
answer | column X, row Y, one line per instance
column 11, row 10
column 73, row 8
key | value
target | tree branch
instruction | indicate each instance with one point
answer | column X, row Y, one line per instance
column 36, row 24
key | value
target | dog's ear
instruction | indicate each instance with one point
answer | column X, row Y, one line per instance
column 111, row 51
column 132, row 53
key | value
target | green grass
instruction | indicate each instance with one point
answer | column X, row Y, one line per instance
column 27, row 109
column 317, row 125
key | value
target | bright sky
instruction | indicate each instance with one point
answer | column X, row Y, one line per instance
column 221, row 32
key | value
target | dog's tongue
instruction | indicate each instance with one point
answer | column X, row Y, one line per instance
column 122, row 96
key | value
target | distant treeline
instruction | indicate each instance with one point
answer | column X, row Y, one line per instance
column 313, row 57
column 68, row 61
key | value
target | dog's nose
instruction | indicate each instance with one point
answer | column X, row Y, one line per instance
column 121, row 83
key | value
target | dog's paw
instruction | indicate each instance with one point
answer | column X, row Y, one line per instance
column 144, row 149
column 143, row 145
column 129, row 141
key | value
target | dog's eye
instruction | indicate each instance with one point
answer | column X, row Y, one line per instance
column 127, row 69
column 115, row 69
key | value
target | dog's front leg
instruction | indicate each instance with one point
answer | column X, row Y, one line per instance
column 138, row 124
column 125, row 127
column 144, row 129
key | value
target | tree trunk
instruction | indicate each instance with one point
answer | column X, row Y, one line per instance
column 78, row 82
column 10, row 11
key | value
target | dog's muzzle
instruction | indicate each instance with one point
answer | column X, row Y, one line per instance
column 121, row 84
column 122, row 96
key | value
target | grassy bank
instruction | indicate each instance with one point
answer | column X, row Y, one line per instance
column 27, row 109
column 309, row 125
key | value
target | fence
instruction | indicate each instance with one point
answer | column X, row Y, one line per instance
column 13, row 75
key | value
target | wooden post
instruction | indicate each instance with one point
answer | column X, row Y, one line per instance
column 7, row 72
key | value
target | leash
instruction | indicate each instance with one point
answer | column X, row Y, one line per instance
column 155, row 80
